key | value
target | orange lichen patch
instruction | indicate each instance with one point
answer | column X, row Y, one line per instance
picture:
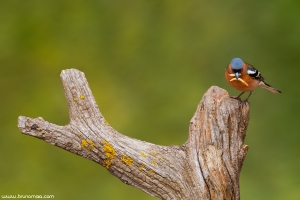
column 143, row 154
column 87, row 144
column 81, row 96
column 127, row 160
column 106, row 163
column 154, row 162
column 152, row 152
column 108, row 150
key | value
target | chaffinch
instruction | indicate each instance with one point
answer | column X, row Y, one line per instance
column 244, row 77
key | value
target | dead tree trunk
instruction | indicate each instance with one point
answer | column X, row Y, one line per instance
column 206, row 167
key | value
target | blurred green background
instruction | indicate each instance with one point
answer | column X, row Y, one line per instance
column 148, row 64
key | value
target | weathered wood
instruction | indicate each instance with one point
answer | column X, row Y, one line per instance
column 207, row 166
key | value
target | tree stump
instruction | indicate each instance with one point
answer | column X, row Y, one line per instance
column 206, row 167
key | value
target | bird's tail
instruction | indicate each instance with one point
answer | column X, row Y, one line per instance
column 269, row 87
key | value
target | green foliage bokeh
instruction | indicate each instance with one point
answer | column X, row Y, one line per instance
column 148, row 64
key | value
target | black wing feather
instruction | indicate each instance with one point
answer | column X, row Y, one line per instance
column 254, row 73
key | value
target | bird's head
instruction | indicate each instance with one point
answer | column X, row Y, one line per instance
column 237, row 64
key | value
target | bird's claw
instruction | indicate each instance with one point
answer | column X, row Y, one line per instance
column 242, row 101
column 245, row 101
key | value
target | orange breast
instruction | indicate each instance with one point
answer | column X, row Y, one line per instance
column 248, row 84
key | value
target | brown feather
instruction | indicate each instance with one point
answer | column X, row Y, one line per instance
column 269, row 87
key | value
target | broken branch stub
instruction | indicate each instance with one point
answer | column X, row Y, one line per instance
column 206, row 167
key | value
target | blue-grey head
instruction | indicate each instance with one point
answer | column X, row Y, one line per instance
column 237, row 65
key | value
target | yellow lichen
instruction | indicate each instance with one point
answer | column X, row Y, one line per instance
column 84, row 143
column 106, row 163
column 151, row 173
column 141, row 168
column 143, row 154
column 153, row 162
column 91, row 142
column 81, row 96
column 106, row 123
column 79, row 133
column 75, row 99
column 87, row 144
column 245, row 147
column 127, row 160
column 108, row 150
column 152, row 152
column 158, row 157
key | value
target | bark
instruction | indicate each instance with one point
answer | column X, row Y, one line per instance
column 207, row 166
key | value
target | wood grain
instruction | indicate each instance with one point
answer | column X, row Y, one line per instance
column 207, row 166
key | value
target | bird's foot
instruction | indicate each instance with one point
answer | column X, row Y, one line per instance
column 242, row 101
column 236, row 97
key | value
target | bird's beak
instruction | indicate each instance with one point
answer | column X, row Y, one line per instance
column 237, row 75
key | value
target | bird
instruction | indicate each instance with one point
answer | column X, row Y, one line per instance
column 244, row 77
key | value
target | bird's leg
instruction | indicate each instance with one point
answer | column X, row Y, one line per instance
column 246, row 100
column 238, row 97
